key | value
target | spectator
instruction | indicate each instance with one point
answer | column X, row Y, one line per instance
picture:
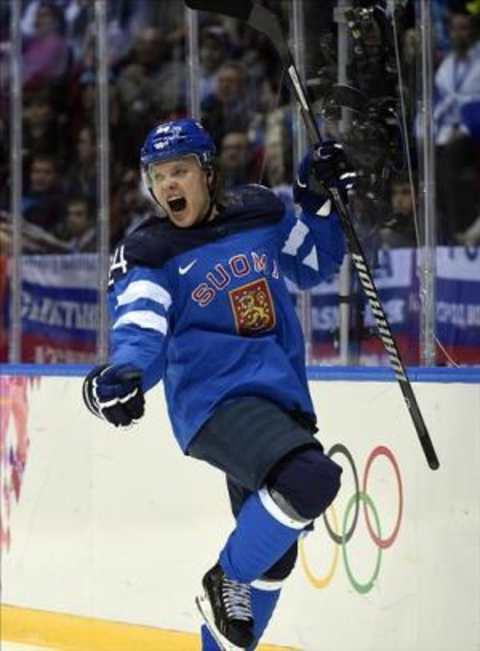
column 457, row 84
column 270, row 110
column 160, row 78
column 254, row 49
column 121, row 115
column 78, row 229
column 278, row 162
column 80, row 24
column 79, row 18
column 42, row 133
column 214, row 47
column 82, row 101
column 46, row 56
column 43, row 203
column 135, row 89
column 229, row 108
column 82, row 175
column 398, row 230
column 148, row 51
column 170, row 91
column 130, row 205
column 30, row 13
column 145, row 13
column 237, row 163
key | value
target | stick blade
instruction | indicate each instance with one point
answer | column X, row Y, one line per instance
column 233, row 8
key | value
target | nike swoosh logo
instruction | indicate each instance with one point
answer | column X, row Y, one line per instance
column 184, row 270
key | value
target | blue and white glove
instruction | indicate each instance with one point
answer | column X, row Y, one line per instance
column 114, row 392
column 324, row 167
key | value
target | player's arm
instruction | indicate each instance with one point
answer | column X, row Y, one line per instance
column 140, row 303
column 140, row 306
column 313, row 245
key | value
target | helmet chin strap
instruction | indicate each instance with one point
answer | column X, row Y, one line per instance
column 211, row 195
column 208, row 215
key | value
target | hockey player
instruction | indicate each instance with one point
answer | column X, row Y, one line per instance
column 198, row 298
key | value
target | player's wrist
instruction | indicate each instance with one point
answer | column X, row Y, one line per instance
column 323, row 168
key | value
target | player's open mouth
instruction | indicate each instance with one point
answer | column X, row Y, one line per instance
column 177, row 204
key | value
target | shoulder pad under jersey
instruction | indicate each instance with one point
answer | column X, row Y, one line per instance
column 147, row 245
column 254, row 200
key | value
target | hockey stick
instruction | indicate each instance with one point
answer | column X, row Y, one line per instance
column 267, row 22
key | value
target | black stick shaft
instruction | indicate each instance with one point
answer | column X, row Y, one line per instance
column 385, row 332
column 366, row 280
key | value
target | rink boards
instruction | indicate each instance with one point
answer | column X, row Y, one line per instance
column 107, row 533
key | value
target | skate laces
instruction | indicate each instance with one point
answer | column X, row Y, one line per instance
column 237, row 601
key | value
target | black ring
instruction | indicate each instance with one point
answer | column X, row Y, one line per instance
column 341, row 449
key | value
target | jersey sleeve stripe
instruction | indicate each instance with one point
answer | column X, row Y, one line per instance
column 312, row 259
column 296, row 238
column 144, row 319
column 145, row 289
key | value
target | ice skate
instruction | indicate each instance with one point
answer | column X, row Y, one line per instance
column 226, row 608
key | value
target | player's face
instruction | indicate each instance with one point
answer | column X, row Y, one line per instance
column 181, row 187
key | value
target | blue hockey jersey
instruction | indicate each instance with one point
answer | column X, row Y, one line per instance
column 207, row 309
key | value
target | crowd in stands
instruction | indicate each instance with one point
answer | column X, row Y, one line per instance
column 243, row 103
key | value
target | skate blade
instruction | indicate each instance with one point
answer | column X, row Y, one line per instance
column 205, row 609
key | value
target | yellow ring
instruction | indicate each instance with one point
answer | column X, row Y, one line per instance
column 322, row 581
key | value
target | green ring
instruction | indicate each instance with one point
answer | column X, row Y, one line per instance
column 362, row 588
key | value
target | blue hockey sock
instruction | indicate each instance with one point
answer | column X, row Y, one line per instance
column 262, row 535
column 263, row 605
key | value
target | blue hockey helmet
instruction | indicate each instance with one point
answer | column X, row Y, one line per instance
column 176, row 139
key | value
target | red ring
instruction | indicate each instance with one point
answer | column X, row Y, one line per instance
column 384, row 543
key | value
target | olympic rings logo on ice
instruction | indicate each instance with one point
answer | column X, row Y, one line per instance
column 342, row 537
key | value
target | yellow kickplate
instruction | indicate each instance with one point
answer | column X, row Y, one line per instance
column 64, row 632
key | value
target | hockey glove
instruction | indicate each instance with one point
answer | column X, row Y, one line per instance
column 115, row 393
column 323, row 167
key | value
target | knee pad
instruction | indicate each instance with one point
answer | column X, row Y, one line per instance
column 307, row 479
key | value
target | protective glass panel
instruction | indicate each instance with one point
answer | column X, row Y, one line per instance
column 62, row 211
column 53, row 221
column 364, row 88
column 5, row 221
column 457, row 157
column 60, row 196
column 362, row 96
